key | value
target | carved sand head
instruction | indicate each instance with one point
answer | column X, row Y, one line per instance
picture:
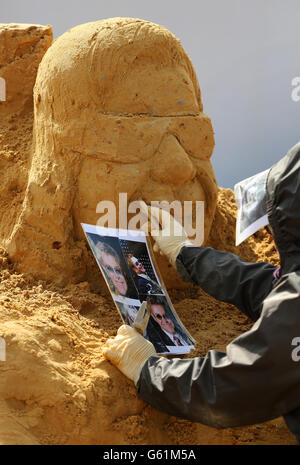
column 117, row 109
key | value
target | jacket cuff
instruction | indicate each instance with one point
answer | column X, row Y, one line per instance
column 182, row 270
column 139, row 380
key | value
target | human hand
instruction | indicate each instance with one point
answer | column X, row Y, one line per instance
column 168, row 234
column 128, row 351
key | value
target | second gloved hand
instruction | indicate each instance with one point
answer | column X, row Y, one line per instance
column 128, row 351
column 168, row 233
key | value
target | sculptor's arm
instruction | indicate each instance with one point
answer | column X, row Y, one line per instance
column 221, row 274
column 226, row 277
column 240, row 386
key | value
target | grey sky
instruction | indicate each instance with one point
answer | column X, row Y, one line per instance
column 245, row 53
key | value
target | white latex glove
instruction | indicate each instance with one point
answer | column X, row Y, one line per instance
column 168, row 233
column 128, row 351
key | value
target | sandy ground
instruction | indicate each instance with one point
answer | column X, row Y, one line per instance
column 55, row 386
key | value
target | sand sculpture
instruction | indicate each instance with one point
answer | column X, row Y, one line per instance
column 22, row 47
column 55, row 385
column 57, row 388
column 117, row 108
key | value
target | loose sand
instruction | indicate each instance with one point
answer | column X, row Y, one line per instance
column 55, row 386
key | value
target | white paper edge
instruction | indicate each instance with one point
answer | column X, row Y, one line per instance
column 126, row 300
column 100, row 230
column 253, row 228
column 178, row 349
column 132, row 235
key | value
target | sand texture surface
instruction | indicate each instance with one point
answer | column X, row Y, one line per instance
column 55, row 385
column 57, row 388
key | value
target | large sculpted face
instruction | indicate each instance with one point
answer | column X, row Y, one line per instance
column 151, row 157
column 117, row 110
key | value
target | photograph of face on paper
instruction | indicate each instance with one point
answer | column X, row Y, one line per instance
column 250, row 195
column 109, row 257
column 141, row 268
column 164, row 330
column 125, row 262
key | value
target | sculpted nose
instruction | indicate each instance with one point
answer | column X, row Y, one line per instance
column 171, row 164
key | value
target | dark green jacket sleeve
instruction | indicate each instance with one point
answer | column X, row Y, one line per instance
column 226, row 277
column 255, row 380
